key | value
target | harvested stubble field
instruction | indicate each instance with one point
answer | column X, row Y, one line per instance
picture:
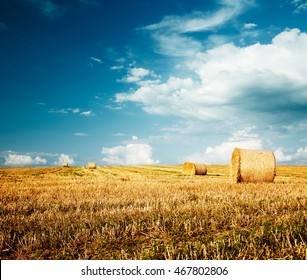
column 150, row 212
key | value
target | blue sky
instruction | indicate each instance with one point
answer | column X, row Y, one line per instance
column 151, row 82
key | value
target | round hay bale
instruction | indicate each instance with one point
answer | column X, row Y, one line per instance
column 252, row 166
column 91, row 165
column 190, row 168
column 65, row 164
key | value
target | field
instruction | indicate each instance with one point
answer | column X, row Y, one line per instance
column 150, row 212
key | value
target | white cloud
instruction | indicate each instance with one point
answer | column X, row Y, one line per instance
column 71, row 110
column 58, row 111
column 202, row 21
column 113, row 107
column 76, row 110
column 22, row 160
column 301, row 153
column 163, row 98
column 243, row 139
column 300, row 6
column 172, row 32
column 117, row 67
column 297, row 157
column 96, row 59
column 134, row 138
column 249, row 25
column 139, row 72
column 171, row 44
column 131, row 154
column 118, row 134
column 221, row 154
column 64, row 110
column 87, row 114
column 13, row 158
column 244, row 134
column 80, row 134
column 137, row 75
column 234, row 81
column 64, row 158
column 281, row 157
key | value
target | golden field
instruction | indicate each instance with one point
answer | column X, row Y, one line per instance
column 150, row 212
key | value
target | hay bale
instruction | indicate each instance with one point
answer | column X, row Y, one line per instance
column 252, row 166
column 65, row 164
column 190, row 168
column 91, row 165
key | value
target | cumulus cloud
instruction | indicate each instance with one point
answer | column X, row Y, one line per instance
column 131, row 154
column 246, row 139
column 22, row 160
column 64, row 158
column 12, row 158
column 221, row 154
column 234, row 81
column 301, row 153
column 243, row 139
column 220, row 83
column 137, row 75
column 281, row 157
column 297, row 157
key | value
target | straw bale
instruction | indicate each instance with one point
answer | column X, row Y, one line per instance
column 190, row 168
column 65, row 164
column 252, row 166
column 91, row 165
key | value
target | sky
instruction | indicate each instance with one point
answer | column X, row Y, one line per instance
column 151, row 82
